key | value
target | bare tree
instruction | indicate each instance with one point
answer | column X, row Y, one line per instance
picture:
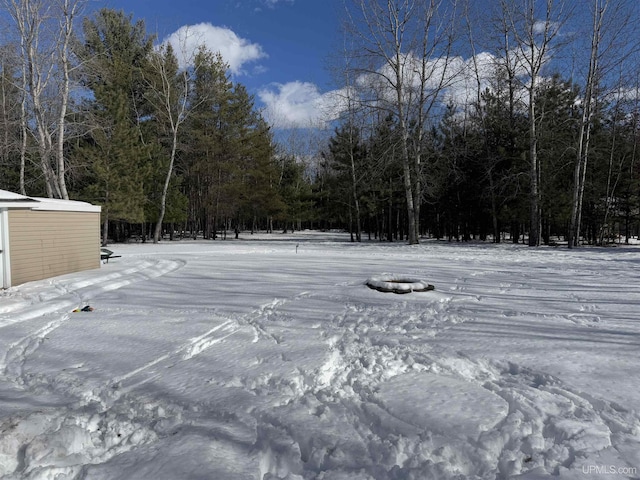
column 46, row 68
column 346, row 97
column 406, row 60
column 615, row 167
column 534, row 25
column 611, row 45
column 490, row 164
column 70, row 9
column 14, row 110
column 588, row 102
column 169, row 95
column 29, row 17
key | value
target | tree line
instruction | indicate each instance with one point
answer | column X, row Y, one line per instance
column 443, row 132
column 533, row 139
column 478, row 185
column 104, row 115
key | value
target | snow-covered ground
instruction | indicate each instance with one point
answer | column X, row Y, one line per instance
column 269, row 358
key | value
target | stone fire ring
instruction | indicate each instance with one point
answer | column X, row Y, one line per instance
column 396, row 284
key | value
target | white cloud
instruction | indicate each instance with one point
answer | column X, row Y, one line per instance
column 302, row 105
column 539, row 27
column 273, row 3
column 469, row 75
column 542, row 26
column 299, row 104
column 448, row 81
column 236, row 51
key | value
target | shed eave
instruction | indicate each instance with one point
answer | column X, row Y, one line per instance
column 22, row 204
column 55, row 204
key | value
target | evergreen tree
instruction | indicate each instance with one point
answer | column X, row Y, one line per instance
column 229, row 169
column 116, row 179
column 12, row 169
column 347, row 161
column 460, row 180
column 296, row 193
column 115, row 55
column 386, row 198
column 501, row 132
column 261, row 199
column 557, row 129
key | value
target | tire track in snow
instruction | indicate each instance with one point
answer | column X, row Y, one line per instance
column 197, row 345
column 69, row 295
column 17, row 352
column 106, row 422
column 263, row 314
column 121, row 420
column 101, row 432
column 115, row 388
column 206, row 340
column 186, row 351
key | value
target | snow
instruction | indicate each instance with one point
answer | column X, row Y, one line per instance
column 269, row 358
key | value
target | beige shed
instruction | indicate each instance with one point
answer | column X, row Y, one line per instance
column 43, row 237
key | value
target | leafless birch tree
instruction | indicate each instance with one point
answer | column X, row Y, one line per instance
column 405, row 58
column 70, row 11
column 347, row 98
column 45, row 30
column 534, row 25
column 613, row 38
column 169, row 95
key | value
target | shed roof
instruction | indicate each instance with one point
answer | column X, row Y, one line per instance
column 15, row 200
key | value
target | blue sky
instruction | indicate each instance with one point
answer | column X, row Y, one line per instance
column 281, row 49
column 278, row 49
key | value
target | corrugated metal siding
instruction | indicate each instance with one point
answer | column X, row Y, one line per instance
column 46, row 244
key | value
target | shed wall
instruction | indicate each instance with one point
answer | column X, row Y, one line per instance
column 49, row 243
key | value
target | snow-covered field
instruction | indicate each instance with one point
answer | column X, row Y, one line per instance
column 269, row 358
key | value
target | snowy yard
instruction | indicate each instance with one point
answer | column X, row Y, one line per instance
column 269, row 358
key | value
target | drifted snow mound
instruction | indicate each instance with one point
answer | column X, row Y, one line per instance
column 397, row 284
column 442, row 404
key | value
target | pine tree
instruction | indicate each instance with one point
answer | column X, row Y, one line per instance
column 206, row 161
column 115, row 54
column 12, row 164
column 347, row 154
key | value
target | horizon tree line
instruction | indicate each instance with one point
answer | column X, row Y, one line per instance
column 508, row 141
column 525, row 149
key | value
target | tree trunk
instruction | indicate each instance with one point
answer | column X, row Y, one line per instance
column 70, row 9
column 582, row 155
column 165, row 188
column 354, row 194
column 534, row 194
column 105, row 230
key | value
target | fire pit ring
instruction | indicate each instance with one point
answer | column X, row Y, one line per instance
column 398, row 284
